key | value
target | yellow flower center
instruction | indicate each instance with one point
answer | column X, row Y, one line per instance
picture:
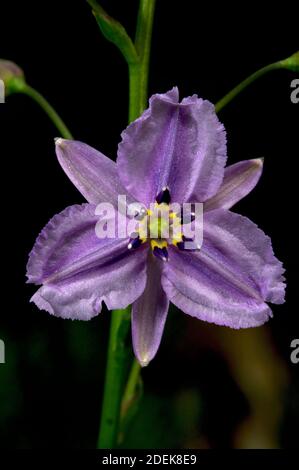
column 161, row 226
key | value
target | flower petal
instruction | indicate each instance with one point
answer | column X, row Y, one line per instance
column 93, row 174
column 231, row 278
column 239, row 179
column 78, row 270
column 179, row 145
column 149, row 315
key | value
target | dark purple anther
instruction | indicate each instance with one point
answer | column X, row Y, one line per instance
column 134, row 241
column 163, row 196
column 161, row 253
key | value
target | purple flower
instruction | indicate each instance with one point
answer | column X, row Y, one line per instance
column 174, row 151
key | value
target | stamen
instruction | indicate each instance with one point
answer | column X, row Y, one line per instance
column 134, row 242
column 163, row 196
column 161, row 253
column 161, row 226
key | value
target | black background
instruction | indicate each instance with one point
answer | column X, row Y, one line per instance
column 52, row 382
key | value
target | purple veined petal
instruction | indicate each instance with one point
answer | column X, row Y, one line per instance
column 239, row 179
column 93, row 174
column 233, row 276
column 78, row 270
column 149, row 314
column 181, row 146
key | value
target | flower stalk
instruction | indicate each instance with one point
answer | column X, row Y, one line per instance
column 138, row 63
column 19, row 85
column 115, row 378
column 49, row 110
column 291, row 63
column 139, row 72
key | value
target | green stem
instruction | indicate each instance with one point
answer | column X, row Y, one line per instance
column 131, row 386
column 114, row 380
column 235, row 91
column 130, row 401
column 45, row 105
column 117, row 355
column 138, row 72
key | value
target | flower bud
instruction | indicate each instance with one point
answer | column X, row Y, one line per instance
column 12, row 76
column 291, row 63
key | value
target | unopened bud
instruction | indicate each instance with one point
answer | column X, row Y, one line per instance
column 12, row 77
column 291, row 63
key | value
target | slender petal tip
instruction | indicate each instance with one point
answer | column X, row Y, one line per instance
column 144, row 361
column 258, row 161
column 149, row 314
column 239, row 180
column 59, row 141
column 93, row 174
